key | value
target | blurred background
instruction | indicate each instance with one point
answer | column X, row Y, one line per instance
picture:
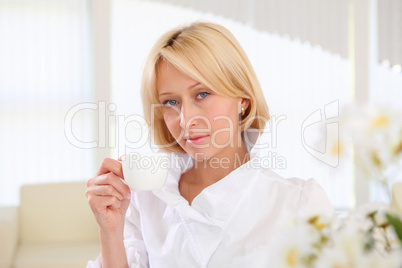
column 70, row 75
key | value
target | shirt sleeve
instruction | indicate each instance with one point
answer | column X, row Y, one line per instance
column 314, row 200
column 137, row 256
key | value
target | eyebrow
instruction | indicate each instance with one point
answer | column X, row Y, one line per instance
column 190, row 87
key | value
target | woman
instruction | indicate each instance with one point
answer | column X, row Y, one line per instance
column 220, row 207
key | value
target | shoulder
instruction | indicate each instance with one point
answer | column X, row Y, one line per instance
column 307, row 195
column 266, row 175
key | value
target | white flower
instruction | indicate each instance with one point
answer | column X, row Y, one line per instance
column 362, row 240
column 295, row 243
column 332, row 258
column 376, row 260
column 376, row 132
column 360, row 214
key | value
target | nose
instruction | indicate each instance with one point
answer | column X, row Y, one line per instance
column 188, row 117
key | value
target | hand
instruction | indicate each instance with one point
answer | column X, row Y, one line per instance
column 108, row 196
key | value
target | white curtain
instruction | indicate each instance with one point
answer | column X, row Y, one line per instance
column 323, row 23
column 44, row 72
column 319, row 22
column 390, row 31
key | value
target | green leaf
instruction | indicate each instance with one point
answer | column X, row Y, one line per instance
column 397, row 224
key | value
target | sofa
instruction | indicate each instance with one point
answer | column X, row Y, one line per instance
column 52, row 227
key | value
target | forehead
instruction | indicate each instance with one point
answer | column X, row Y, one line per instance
column 169, row 78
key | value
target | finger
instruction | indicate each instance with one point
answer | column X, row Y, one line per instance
column 115, row 181
column 115, row 205
column 100, row 203
column 110, row 165
column 106, row 190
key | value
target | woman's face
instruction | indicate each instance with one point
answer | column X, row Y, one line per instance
column 204, row 123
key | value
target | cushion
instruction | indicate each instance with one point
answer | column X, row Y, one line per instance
column 55, row 255
column 56, row 212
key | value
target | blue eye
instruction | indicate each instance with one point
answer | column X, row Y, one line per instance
column 203, row 94
column 169, row 103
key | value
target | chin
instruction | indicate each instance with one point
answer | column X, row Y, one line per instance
column 202, row 154
column 197, row 154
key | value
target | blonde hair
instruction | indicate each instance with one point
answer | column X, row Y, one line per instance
column 211, row 55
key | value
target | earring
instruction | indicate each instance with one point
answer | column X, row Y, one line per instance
column 242, row 111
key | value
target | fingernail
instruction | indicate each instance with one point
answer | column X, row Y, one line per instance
column 129, row 196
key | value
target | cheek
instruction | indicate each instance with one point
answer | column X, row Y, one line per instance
column 172, row 124
column 225, row 115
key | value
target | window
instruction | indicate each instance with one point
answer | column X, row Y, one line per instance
column 44, row 71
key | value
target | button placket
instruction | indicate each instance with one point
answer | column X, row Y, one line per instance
column 197, row 250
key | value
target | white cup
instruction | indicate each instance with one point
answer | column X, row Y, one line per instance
column 145, row 171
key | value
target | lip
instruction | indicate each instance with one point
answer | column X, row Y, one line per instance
column 196, row 139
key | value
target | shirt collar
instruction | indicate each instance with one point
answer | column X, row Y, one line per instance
column 215, row 203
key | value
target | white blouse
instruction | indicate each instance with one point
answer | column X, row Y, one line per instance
column 229, row 224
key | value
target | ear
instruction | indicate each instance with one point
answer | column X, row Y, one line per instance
column 245, row 103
